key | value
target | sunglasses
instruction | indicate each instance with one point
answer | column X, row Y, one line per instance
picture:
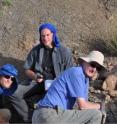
column 95, row 65
column 8, row 77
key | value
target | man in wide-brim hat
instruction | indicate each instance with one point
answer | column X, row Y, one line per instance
column 70, row 87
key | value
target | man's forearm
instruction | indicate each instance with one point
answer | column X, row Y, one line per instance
column 30, row 74
column 83, row 104
column 90, row 105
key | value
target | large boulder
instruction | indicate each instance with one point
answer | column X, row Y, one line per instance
column 110, row 83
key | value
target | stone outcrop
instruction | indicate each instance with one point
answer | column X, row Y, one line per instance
column 110, row 83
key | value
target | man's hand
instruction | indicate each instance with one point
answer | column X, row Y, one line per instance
column 34, row 76
column 39, row 78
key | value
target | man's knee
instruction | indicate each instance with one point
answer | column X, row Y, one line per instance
column 5, row 115
column 97, row 114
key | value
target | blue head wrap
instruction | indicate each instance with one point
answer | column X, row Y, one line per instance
column 10, row 70
column 53, row 29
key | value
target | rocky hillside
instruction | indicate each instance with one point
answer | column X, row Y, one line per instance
column 78, row 21
column 82, row 25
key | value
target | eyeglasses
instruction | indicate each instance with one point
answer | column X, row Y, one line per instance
column 95, row 65
column 8, row 77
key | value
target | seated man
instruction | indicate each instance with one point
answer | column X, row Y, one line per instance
column 8, row 85
column 44, row 62
column 70, row 87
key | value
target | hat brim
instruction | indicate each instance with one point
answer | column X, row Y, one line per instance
column 86, row 59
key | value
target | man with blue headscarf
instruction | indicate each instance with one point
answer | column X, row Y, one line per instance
column 8, row 85
column 44, row 63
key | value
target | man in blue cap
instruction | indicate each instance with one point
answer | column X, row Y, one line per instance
column 43, row 64
column 8, row 85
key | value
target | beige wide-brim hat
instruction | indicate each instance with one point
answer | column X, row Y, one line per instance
column 94, row 56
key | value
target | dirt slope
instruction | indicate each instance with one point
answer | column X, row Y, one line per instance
column 79, row 23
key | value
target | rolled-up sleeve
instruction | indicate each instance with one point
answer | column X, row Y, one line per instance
column 29, row 63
